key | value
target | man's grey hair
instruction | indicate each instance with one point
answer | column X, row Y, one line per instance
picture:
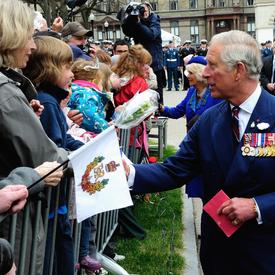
column 67, row 38
column 239, row 46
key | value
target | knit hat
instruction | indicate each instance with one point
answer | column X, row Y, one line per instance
column 198, row 59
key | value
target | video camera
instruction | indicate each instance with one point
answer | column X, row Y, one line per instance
column 135, row 9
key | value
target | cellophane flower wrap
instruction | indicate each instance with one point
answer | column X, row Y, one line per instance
column 134, row 111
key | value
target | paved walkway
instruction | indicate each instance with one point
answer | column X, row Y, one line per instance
column 176, row 130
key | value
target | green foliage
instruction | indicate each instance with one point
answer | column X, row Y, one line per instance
column 160, row 253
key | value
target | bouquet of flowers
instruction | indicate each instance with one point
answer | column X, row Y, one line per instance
column 133, row 112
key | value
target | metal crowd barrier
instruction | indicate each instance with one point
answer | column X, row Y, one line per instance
column 27, row 231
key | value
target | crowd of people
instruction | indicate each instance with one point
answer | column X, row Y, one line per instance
column 59, row 89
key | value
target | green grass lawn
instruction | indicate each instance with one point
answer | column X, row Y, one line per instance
column 161, row 251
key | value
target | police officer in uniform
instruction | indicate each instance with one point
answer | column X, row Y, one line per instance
column 172, row 62
column 202, row 50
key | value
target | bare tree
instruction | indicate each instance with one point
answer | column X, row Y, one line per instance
column 53, row 8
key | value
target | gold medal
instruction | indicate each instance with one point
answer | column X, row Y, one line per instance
column 269, row 151
column 245, row 150
column 256, row 151
column 261, row 152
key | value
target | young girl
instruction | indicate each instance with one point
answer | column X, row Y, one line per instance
column 49, row 68
column 131, row 69
column 88, row 95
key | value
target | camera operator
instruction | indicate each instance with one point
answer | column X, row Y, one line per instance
column 143, row 26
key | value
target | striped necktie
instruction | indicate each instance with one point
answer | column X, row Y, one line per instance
column 235, row 122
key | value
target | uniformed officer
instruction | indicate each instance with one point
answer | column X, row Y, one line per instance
column 202, row 50
column 172, row 62
column 186, row 50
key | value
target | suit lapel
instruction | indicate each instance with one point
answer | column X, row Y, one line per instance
column 240, row 164
column 222, row 138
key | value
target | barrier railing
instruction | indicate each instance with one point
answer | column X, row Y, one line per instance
column 27, row 231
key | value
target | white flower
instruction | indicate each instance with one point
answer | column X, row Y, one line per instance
column 263, row 125
column 252, row 125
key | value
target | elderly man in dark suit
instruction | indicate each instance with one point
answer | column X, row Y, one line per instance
column 267, row 78
column 232, row 153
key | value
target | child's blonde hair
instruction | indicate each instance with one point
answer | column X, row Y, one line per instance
column 46, row 63
column 86, row 70
column 105, row 72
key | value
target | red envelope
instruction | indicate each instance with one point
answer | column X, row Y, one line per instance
column 222, row 221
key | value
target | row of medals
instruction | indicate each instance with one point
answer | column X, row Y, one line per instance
column 259, row 145
column 267, row 151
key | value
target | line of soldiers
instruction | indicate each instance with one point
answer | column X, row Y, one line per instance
column 175, row 60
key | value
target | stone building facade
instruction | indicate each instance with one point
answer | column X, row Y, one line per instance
column 200, row 19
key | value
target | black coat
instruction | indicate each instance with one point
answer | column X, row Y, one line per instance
column 266, row 72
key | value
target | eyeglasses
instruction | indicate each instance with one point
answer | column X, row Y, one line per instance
column 122, row 51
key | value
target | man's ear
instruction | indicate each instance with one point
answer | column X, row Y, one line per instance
column 240, row 70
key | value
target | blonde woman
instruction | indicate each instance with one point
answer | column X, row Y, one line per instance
column 23, row 141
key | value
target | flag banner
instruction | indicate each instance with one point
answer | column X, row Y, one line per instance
column 100, row 181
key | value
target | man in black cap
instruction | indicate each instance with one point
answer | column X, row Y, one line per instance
column 76, row 35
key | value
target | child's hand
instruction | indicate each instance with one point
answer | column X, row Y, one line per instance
column 75, row 116
column 37, row 107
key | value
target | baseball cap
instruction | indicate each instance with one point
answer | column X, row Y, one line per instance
column 75, row 29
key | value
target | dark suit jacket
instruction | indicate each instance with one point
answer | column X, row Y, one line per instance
column 208, row 149
column 266, row 72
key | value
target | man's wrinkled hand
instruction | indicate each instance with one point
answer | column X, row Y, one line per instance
column 126, row 168
column 54, row 178
column 238, row 210
column 57, row 25
column 13, row 198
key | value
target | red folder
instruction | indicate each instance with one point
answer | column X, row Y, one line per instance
column 222, row 221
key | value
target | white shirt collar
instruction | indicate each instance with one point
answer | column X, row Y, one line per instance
column 250, row 103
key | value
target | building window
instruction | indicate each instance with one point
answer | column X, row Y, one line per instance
column 154, row 4
column 194, row 31
column 221, row 3
column 251, row 26
column 174, row 29
column 118, row 33
column 173, row 4
column 193, row 4
column 250, row 2
column 99, row 33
